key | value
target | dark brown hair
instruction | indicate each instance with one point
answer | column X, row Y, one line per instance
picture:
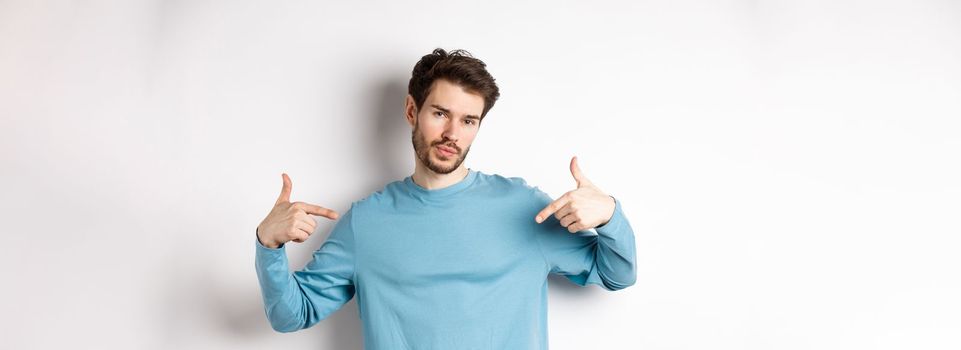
column 458, row 67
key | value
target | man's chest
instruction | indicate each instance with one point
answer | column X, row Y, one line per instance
column 455, row 245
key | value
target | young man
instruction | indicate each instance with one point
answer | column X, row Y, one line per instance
column 449, row 257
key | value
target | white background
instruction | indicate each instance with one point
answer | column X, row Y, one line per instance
column 790, row 168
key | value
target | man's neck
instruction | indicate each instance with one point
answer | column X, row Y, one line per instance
column 430, row 180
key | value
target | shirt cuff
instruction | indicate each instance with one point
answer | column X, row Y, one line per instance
column 614, row 224
column 262, row 247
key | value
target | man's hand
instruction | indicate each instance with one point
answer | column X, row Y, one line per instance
column 583, row 208
column 290, row 221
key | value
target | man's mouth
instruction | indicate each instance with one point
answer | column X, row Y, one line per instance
column 446, row 151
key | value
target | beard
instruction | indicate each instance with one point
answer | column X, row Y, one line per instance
column 422, row 150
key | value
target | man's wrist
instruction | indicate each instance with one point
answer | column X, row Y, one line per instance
column 270, row 245
column 612, row 212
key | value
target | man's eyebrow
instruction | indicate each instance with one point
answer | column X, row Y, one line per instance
column 442, row 109
column 445, row 110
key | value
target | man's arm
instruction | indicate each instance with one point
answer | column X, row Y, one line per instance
column 607, row 258
column 294, row 301
column 299, row 300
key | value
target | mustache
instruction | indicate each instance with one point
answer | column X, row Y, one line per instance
column 444, row 142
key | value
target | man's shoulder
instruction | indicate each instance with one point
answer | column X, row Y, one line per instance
column 503, row 182
column 511, row 188
column 520, row 187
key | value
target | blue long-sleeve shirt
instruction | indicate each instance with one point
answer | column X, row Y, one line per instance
column 461, row 267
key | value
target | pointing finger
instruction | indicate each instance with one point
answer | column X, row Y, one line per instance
column 551, row 208
column 560, row 214
column 317, row 210
column 285, row 191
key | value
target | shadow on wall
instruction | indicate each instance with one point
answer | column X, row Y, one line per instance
column 390, row 147
column 202, row 301
column 389, row 135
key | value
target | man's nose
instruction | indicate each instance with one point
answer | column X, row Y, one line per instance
column 451, row 131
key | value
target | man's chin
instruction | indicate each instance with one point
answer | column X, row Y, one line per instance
column 443, row 166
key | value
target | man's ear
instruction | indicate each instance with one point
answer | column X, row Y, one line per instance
column 410, row 110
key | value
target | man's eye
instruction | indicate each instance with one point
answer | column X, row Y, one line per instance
column 470, row 121
column 438, row 114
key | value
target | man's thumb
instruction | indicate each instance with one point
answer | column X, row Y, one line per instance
column 285, row 191
column 578, row 175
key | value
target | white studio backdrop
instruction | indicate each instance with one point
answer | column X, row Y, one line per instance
column 790, row 168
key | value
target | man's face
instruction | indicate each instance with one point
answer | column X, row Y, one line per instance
column 445, row 125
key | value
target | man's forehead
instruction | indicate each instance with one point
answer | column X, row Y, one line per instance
column 454, row 98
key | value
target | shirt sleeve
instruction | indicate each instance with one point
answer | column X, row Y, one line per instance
column 298, row 300
column 606, row 258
